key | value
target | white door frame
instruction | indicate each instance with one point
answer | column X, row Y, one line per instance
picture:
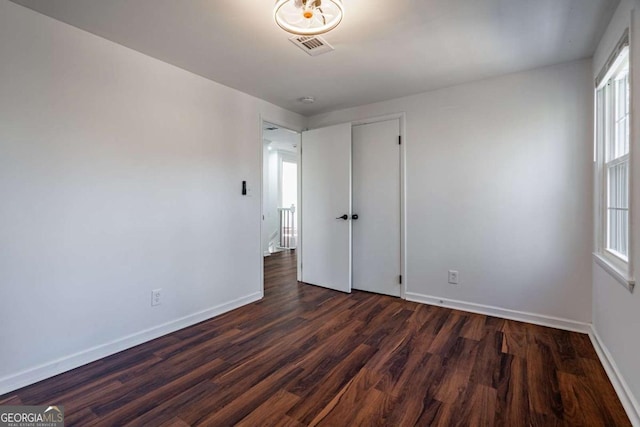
column 291, row 127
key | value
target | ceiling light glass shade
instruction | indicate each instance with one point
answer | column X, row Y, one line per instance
column 308, row 17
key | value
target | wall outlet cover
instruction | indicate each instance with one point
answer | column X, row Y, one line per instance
column 453, row 277
column 156, row 295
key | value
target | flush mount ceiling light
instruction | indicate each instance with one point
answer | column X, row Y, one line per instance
column 308, row 17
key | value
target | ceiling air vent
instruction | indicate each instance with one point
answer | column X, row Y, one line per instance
column 313, row 45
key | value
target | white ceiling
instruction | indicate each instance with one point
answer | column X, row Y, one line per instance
column 280, row 138
column 384, row 48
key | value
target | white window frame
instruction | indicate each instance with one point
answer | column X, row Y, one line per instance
column 617, row 264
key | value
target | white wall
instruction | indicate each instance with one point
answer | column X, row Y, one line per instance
column 273, row 221
column 265, row 195
column 270, row 195
column 498, row 178
column 119, row 174
column 616, row 311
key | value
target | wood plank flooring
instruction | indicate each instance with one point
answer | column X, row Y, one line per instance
column 305, row 355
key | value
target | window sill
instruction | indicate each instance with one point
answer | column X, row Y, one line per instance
column 620, row 275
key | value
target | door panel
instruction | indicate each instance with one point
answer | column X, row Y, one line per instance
column 376, row 201
column 326, row 195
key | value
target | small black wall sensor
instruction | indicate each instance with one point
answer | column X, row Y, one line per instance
column 244, row 188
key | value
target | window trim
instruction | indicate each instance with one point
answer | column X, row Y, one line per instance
column 621, row 276
column 616, row 266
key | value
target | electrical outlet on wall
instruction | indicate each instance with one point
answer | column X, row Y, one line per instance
column 155, row 296
column 453, row 277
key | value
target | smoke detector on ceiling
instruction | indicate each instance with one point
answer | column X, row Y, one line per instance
column 312, row 45
column 307, row 100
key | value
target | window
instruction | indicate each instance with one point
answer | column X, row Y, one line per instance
column 289, row 184
column 288, row 201
column 612, row 157
column 616, row 167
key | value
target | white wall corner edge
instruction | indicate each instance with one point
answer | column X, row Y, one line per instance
column 47, row 370
column 625, row 395
column 504, row 313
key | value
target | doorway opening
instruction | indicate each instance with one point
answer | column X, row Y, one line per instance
column 352, row 196
column 280, row 194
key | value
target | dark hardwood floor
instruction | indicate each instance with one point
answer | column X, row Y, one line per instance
column 305, row 355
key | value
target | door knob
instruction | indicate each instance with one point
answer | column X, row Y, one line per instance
column 345, row 217
column 354, row 216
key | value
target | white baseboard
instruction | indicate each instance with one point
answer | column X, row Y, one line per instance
column 627, row 399
column 504, row 313
column 50, row 369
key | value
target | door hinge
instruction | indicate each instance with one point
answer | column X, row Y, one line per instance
column 400, row 279
column 399, row 139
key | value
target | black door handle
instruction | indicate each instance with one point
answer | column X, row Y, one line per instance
column 345, row 217
column 354, row 216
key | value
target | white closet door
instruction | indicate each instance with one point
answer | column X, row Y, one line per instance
column 326, row 200
column 376, row 201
